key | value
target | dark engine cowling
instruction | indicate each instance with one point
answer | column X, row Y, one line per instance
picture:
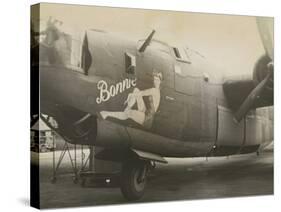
column 238, row 90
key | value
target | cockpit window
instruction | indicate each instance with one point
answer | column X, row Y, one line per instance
column 181, row 55
column 177, row 53
column 130, row 63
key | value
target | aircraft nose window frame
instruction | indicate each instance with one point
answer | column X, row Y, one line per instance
column 130, row 63
column 181, row 55
column 86, row 57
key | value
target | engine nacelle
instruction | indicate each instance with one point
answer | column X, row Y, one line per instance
column 237, row 90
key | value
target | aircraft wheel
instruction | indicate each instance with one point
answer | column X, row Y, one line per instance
column 133, row 180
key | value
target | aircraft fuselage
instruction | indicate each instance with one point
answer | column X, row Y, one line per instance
column 118, row 84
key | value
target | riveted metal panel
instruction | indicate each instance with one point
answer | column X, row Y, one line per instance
column 254, row 131
column 230, row 133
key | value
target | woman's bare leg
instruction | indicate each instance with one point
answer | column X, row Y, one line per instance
column 135, row 115
column 140, row 104
column 117, row 115
column 132, row 99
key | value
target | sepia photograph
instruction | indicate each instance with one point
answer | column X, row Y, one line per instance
column 139, row 105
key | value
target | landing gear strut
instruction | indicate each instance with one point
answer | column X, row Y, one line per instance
column 133, row 179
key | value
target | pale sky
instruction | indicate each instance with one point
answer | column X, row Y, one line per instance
column 230, row 42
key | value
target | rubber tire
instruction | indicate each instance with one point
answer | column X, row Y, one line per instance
column 127, row 181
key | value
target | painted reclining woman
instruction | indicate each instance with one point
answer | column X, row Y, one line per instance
column 143, row 115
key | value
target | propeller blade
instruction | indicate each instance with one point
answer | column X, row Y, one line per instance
column 266, row 31
column 250, row 100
